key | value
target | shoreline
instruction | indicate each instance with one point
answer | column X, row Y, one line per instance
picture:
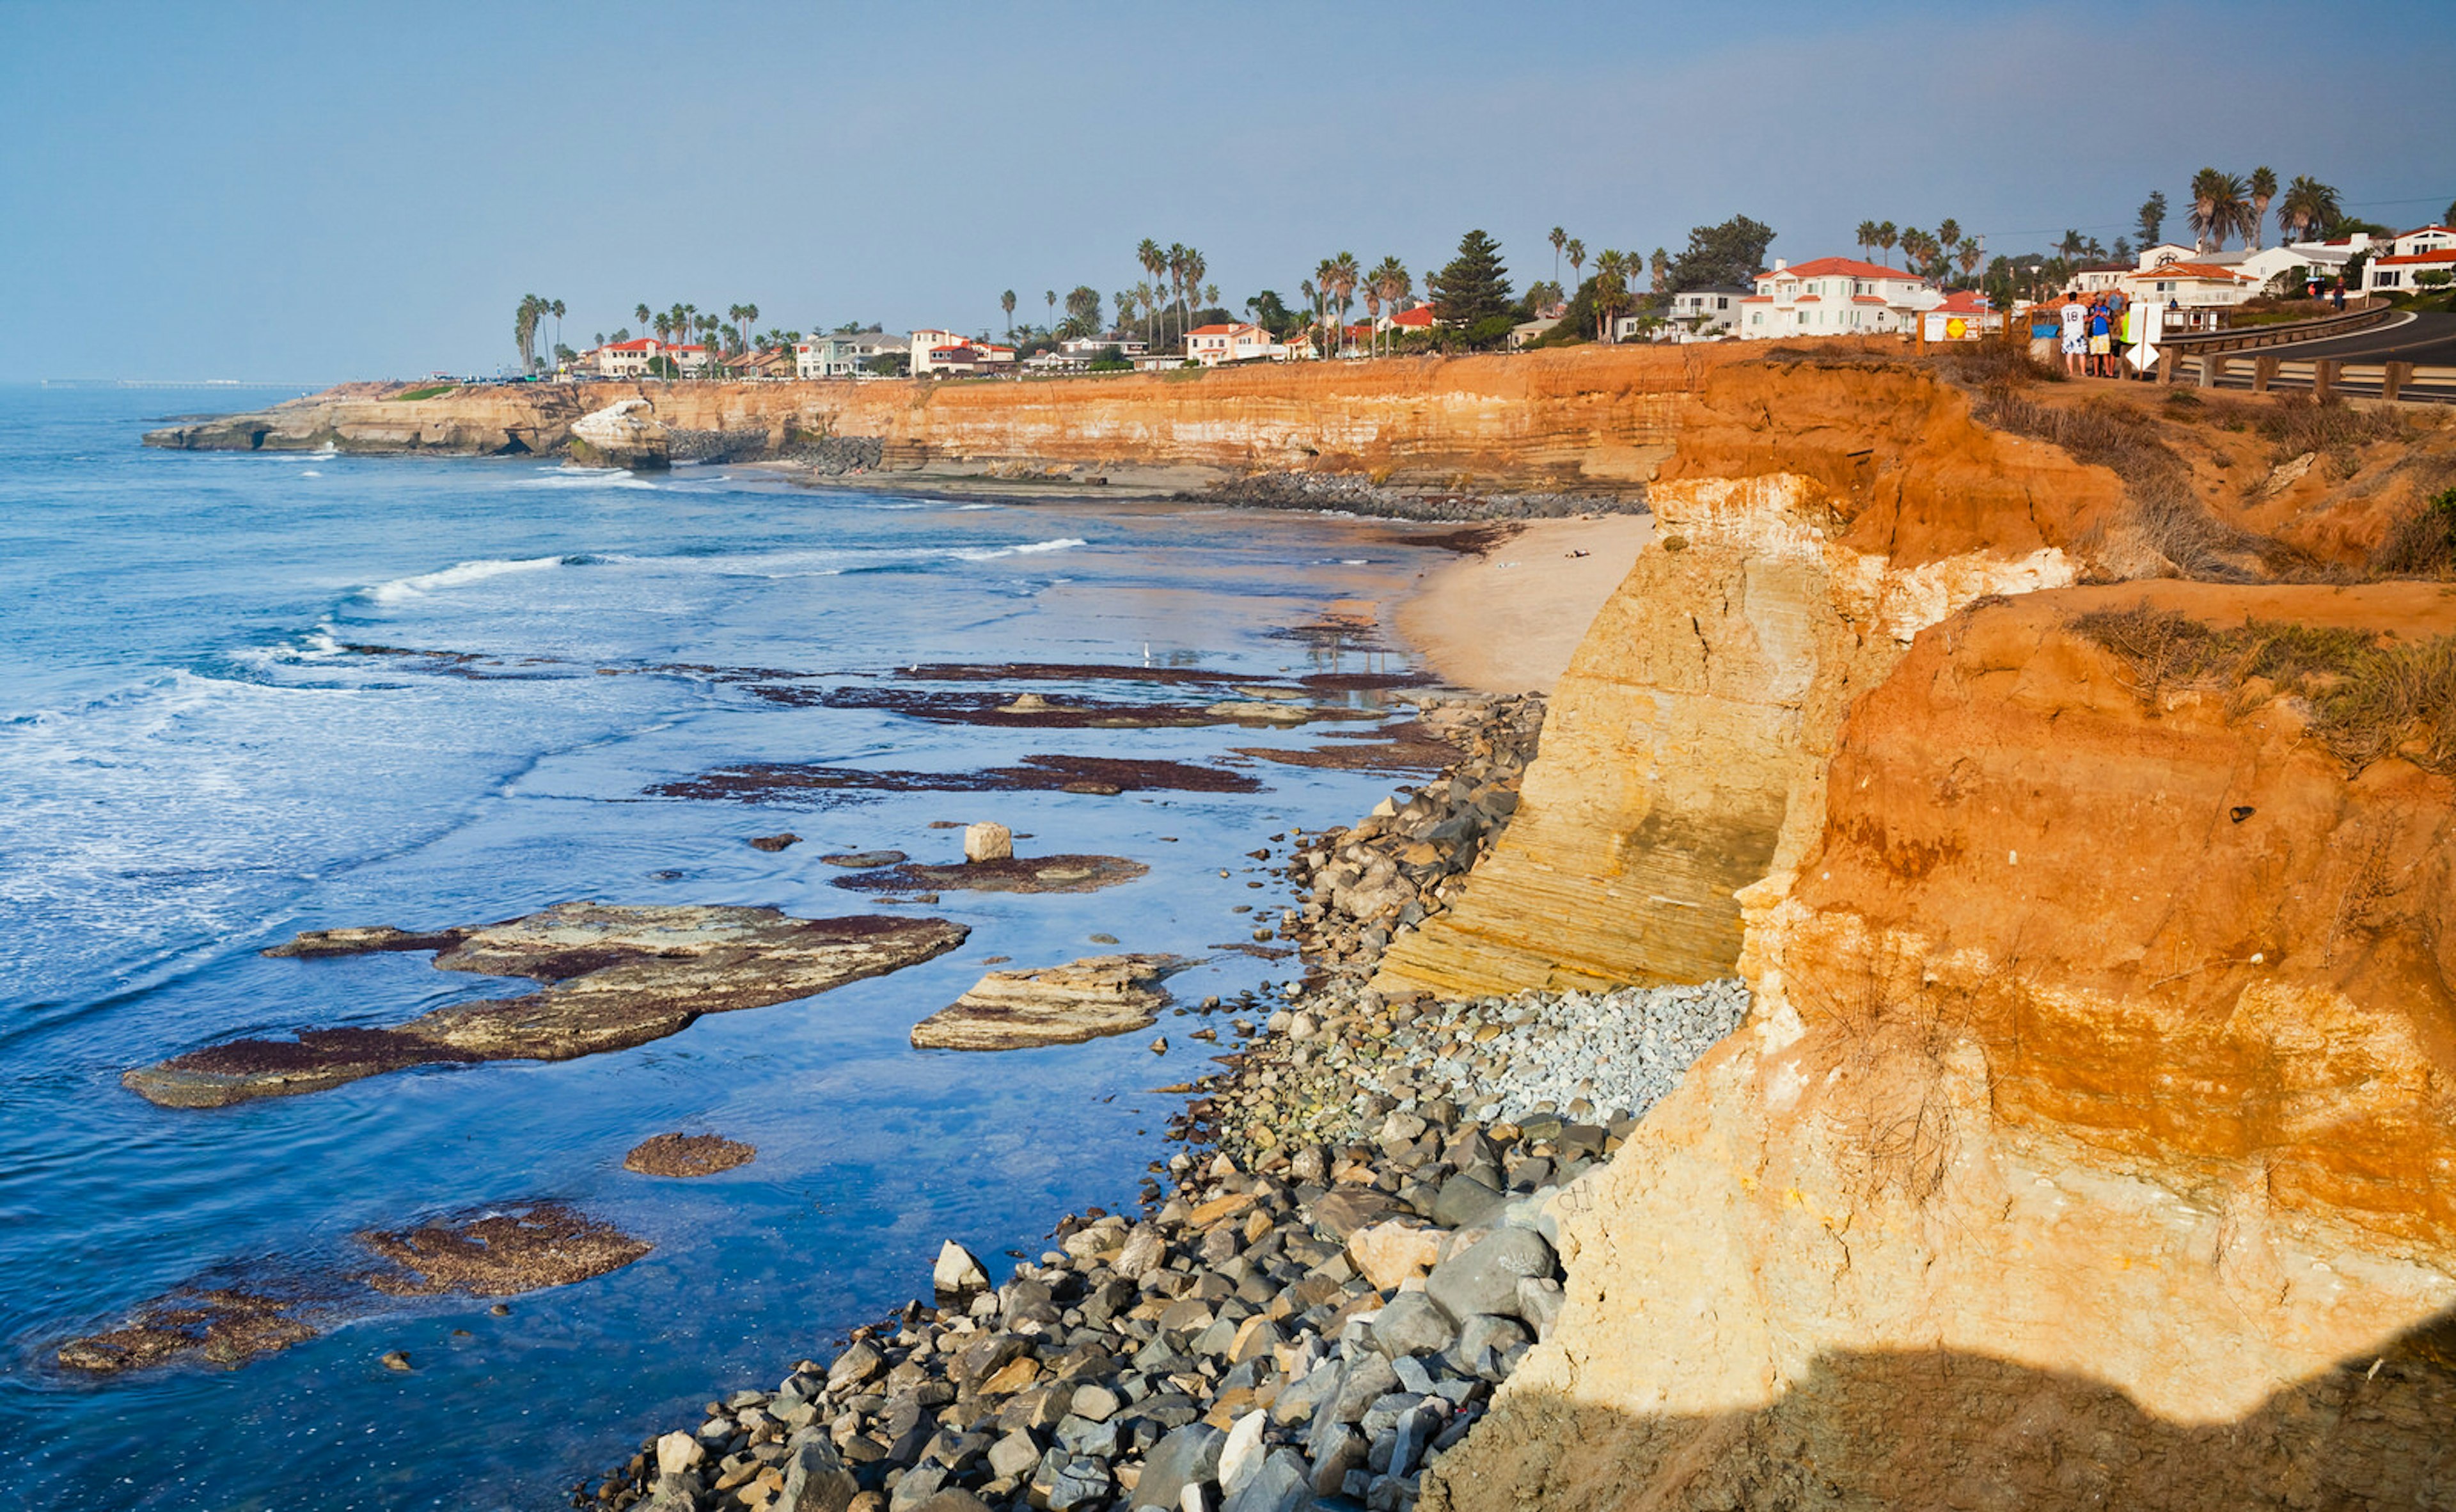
column 1352, row 1249
column 1508, row 618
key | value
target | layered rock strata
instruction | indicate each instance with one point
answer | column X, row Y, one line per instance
column 1059, row 1004
column 617, row 977
column 2090, row 1143
column 1813, row 521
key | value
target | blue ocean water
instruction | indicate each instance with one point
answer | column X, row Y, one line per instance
column 195, row 764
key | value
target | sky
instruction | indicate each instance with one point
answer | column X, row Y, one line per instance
column 304, row 192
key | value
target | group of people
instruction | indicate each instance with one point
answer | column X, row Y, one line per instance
column 2089, row 333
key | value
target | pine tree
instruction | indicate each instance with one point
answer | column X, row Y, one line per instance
column 1475, row 286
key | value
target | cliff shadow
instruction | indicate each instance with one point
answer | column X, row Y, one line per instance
column 1943, row 1429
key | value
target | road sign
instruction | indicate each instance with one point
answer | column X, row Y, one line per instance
column 2148, row 322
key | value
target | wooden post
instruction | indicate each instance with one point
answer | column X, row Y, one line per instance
column 2211, row 365
column 2323, row 377
column 2394, row 377
column 2263, row 373
column 2167, row 364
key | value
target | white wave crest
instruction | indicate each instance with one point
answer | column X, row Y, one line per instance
column 400, row 590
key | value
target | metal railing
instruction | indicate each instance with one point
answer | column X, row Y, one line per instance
column 2252, row 338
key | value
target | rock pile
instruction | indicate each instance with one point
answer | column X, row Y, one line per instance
column 1353, row 493
column 1312, row 1308
column 1393, row 868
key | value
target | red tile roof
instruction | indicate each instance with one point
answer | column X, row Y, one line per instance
column 1421, row 317
column 2445, row 255
column 1840, row 267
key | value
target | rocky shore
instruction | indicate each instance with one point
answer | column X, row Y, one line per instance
column 1360, row 494
column 1323, row 1290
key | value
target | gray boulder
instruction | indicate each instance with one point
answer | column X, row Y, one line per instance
column 1184, row 1457
column 1484, row 1276
column 1411, row 1324
column 1282, row 1485
column 816, row 1481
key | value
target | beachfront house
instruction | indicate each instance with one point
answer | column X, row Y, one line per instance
column 2194, row 288
column 1238, row 341
column 1833, row 296
column 767, row 362
column 1090, row 347
column 942, row 353
column 1416, row 319
column 632, row 358
column 1700, row 315
column 2409, row 256
column 827, row 356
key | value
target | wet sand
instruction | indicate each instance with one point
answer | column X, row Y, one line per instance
column 1507, row 619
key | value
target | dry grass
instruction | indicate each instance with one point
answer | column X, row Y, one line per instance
column 2296, row 423
column 2169, row 516
column 2422, row 544
column 2370, row 698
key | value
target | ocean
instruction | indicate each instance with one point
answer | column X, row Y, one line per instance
column 246, row 695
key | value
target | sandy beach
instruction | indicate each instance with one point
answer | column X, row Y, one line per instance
column 1507, row 619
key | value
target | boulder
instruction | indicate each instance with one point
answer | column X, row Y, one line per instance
column 815, row 1480
column 988, row 842
column 1411, row 1324
column 1184, row 1457
column 958, row 1271
column 1388, row 1252
column 1484, row 1276
column 1063, row 1004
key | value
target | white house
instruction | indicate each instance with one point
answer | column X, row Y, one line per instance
column 2191, row 285
column 631, row 358
column 2422, row 239
column 943, row 351
column 1700, row 315
column 1833, row 296
column 1089, row 347
column 2403, row 274
column 827, row 356
column 1213, row 345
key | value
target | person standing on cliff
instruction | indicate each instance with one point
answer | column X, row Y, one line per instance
column 2076, row 336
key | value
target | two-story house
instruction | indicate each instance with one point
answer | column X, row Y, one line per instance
column 1216, row 346
column 1833, row 296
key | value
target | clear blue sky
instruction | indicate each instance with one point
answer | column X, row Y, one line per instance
column 305, row 192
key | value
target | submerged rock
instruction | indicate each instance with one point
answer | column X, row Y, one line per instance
column 771, row 844
column 618, row 976
column 864, row 860
column 499, row 1253
column 225, row 1326
column 1016, row 874
column 680, row 1155
column 1062, row 1005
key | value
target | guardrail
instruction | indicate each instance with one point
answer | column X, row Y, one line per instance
column 2285, row 334
column 2323, row 378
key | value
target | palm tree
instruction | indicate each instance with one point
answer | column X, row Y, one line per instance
column 1885, row 237
column 1006, row 302
column 2070, row 247
column 1867, row 237
column 1559, row 238
column 1948, row 236
column 1577, row 250
column 1175, row 268
column 2263, row 189
column 1390, row 280
column 644, row 315
column 1610, row 269
column 1313, row 296
column 2218, row 208
column 1052, row 296
column 2309, row 206
column 558, row 322
column 1344, row 275
column 749, row 318
column 1154, row 264
column 1972, row 252
column 1660, row 266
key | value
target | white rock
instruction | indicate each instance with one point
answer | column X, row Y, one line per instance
column 988, row 842
column 678, row 1452
column 1242, row 1453
column 958, row 1269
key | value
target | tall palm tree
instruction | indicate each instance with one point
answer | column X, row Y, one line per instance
column 1948, row 236
column 2218, row 208
column 1867, row 237
column 1154, row 264
column 1006, row 302
column 2070, row 247
column 2263, row 189
column 1052, row 296
column 644, row 315
column 1971, row 251
column 1611, row 267
column 1313, row 298
column 1559, row 238
column 1345, row 276
column 1390, row 280
column 1660, row 266
column 1886, row 238
column 2309, row 206
column 557, row 307
column 1194, row 270
column 1577, row 250
column 749, row 318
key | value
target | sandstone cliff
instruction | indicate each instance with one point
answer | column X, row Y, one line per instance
column 1812, row 522
column 1591, row 419
column 2089, row 1141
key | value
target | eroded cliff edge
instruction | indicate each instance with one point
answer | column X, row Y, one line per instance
column 2089, row 1141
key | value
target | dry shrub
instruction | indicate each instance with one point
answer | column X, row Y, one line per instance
column 1992, row 365
column 2170, row 518
column 2369, row 698
column 2422, row 544
column 2297, row 423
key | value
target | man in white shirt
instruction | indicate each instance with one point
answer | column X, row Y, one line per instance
column 2076, row 336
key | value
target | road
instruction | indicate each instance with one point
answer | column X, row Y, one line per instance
column 2424, row 338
